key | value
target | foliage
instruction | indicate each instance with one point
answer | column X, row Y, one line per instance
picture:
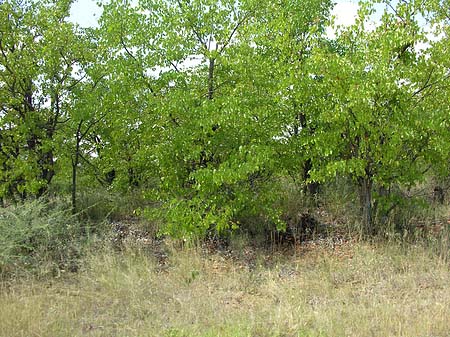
column 216, row 152
column 379, row 126
column 210, row 106
column 39, row 57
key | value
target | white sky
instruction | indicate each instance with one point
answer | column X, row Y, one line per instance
column 85, row 13
column 345, row 12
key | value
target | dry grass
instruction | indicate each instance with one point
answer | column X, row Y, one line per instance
column 350, row 290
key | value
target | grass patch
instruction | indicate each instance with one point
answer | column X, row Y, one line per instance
column 353, row 289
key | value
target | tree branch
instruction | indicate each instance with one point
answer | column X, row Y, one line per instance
column 428, row 84
column 149, row 87
column 227, row 42
column 194, row 30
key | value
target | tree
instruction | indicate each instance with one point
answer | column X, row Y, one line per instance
column 378, row 126
column 287, row 35
column 205, row 82
column 39, row 56
column 214, row 150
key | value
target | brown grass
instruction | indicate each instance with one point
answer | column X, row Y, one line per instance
column 352, row 289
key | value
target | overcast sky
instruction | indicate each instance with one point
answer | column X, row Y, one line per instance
column 86, row 12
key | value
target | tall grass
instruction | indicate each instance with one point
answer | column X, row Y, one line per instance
column 397, row 284
column 347, row 290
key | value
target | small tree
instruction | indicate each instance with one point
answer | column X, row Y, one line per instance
column 378, row 126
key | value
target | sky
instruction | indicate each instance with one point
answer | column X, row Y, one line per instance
column 86, row 12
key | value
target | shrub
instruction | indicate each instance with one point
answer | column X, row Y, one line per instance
column 40, row 236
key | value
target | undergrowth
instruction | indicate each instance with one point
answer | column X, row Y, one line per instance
column 102, row 272
column 350, row 289
column 41, row 237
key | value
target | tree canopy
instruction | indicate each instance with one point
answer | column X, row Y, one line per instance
column 210, row 106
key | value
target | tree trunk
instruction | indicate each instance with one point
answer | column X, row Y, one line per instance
column 75, row 162
column 46, row 164
column 211, row 78
column 74, row 185
column 365, row 185
column 312, row 188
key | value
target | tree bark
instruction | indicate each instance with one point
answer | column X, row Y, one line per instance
column 74, row 185
column 211, row 78
column 75, row 162
column 366, row 185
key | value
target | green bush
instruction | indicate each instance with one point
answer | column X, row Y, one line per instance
column 40, row 236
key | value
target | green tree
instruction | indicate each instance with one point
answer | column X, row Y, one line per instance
column 204, row 86
column 38, row 71
column 254, row 76
column 377, row 124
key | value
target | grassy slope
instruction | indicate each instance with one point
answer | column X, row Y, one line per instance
column 350, row 290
